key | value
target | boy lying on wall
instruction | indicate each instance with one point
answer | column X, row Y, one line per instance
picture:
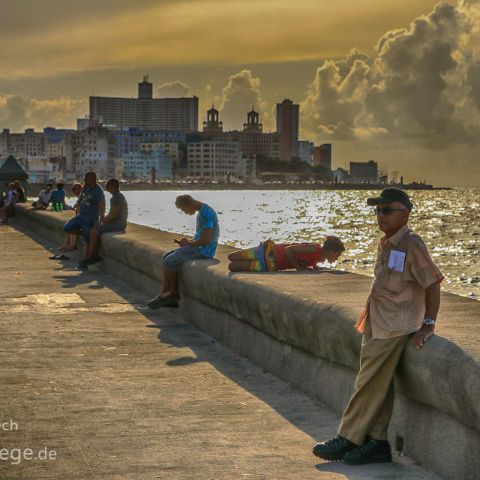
column 271, row 257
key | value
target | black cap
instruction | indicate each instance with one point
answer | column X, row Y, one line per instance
column 390, row 195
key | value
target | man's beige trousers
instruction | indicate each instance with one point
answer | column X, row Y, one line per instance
column 370, row 408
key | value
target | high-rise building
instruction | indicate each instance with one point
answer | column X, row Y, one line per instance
column 287, row 128
column 322, row 156
column 146, row 112
column 305, row 151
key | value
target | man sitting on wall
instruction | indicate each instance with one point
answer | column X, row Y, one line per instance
column 203, row 245
column 115, row 221
column 43, row 198
column 91, row 208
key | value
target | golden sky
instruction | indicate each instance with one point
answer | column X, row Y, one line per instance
column 52, row 37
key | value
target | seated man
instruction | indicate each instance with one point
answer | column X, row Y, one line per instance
column 271, row 257
column 43, row 198
column 91, row 205
column 203, row 245
column 57, row 198
column 70, row 243
column 115, row 221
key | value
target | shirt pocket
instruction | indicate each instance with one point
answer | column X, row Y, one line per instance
column 393, row 282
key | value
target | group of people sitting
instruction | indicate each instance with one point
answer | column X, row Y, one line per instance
column 90, row 220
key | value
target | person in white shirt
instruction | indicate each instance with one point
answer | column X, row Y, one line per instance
column 43, row 198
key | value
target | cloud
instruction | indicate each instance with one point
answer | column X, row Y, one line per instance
column 241, row 93
column 18, row 112
column 173, row 89
column 422, row 86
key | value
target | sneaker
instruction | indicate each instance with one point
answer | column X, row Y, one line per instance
column 373, row 451
column 333, row 449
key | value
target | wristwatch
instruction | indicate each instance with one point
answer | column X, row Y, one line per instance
column 429, row 321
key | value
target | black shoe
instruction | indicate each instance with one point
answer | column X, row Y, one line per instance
column 159, row 302
column 82, row 265
column 373, row 451
column 333, row 449
column 92, row 261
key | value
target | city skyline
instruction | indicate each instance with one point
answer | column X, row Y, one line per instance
column 413, row 102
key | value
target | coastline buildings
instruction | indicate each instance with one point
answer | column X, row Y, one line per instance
column 287, row 128
column 29, row 143
column 253, row 141
column 151, row 162
column 305, row 151
column 218, row 160
column 364, row 172
column 146, row 112
column 322, row 156
column 91, row 149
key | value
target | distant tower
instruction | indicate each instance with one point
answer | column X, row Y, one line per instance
column 287, row 127
column 322, row 156
column 253, row 124
column 213, row 125
column 145, row 89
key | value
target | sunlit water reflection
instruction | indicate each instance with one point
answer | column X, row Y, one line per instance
column 447, row 220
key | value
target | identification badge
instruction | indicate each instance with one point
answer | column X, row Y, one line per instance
column 396, row 261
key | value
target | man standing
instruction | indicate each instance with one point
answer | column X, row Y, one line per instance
column 404, row 300
column 115, row 221
column 91, row 208
column 203, row 245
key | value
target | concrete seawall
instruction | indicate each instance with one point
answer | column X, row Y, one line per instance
column 299, row 327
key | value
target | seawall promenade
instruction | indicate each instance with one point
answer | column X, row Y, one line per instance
column 299, row 327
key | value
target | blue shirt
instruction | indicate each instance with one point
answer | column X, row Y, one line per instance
column 89, row 200
column 207, row 218
column 58, row 196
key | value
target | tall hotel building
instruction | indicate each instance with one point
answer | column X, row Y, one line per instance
column 287, row 128
column 146, row 112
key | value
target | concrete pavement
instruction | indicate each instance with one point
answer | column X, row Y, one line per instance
column 118, row 392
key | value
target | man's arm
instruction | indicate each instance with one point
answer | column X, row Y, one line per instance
column 205, row 239
column 101, row 209
column 432, row 305
column 112, row 214
column 293, row 250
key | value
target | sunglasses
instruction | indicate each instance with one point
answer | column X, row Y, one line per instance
column 387, row 210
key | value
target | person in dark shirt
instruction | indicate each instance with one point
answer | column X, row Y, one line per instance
column 21, row 196
column 115, row 221
column 91, row 205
